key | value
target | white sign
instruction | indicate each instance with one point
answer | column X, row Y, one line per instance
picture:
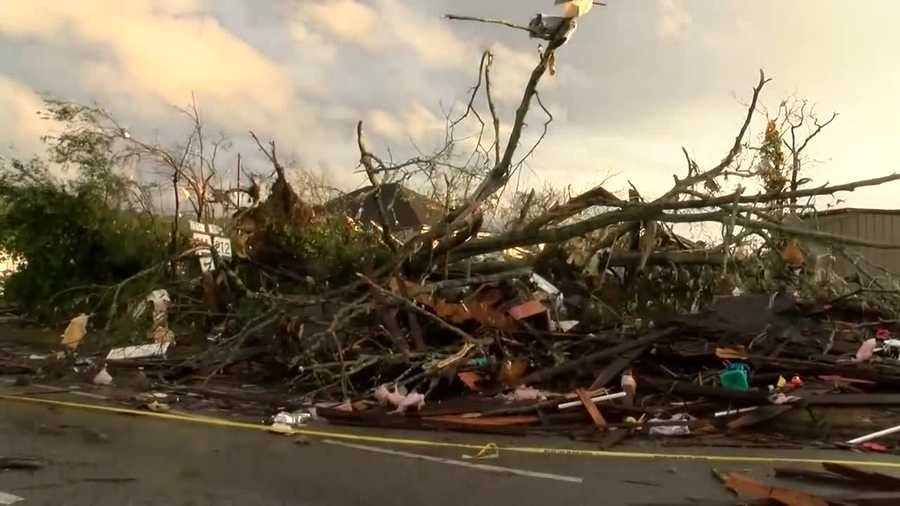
column 207, row 264
column 140, row 351
column 210, row 235
column 222, row 246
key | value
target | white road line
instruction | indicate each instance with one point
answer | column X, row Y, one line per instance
column 461, row 463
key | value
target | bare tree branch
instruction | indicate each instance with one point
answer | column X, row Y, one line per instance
column 454, row 17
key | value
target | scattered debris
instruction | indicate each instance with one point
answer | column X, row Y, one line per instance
column 399, row 399
column 103, row 377
column 139, row 351
column 676, row 425
column 586, row 316
column 75, row 332
column 295, row 419
column 281, row 429
column 748, row 487
column 158, row 407
column 601, row 398
column 7, row 499
column 874, row 435
column 159, row 331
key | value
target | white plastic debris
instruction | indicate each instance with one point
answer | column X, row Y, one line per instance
column 6, row 499
column 672, row 430
column 158, row 407
column 730, row 412
column 525, row 393
column 608, row 397
column 103, row 377
column 874, row 435
column 891, row 348
column 160, row 300
column 159, row 331
column 140, row 351
column 554, row 295
column 781, row 398
column 295, row 419
column 564, row 325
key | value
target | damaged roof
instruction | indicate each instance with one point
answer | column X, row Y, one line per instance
column 406, row 209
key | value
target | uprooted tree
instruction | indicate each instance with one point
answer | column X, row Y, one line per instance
column 595, row 229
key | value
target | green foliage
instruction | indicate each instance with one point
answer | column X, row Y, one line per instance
column 332, row 250
column 70, row 234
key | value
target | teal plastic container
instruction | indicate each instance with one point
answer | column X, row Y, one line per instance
column 735, row 377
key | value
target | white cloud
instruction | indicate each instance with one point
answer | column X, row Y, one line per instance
column 384, row 26
column 674, row 21
column 386, row 125
column 20, row 127
column 346, row 19
column 416, row 123
column 511, row 70
column 160, row 50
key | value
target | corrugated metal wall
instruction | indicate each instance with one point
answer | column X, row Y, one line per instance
column 882, row 227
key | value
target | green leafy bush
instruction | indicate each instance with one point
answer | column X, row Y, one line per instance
column 73, row 234
column 332, row 250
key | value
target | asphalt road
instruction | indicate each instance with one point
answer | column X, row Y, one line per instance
column 102, row 459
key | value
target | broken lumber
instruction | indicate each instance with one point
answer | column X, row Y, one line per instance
column 573, row 365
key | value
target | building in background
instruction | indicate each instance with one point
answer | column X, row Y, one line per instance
column 880, row 225
column 407, row 211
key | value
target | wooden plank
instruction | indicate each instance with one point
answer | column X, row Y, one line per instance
column 686, row 388
column 493, row 421
column 615, row 367
column 546, row 374
column 760, row 415
column 746, row 486
column 811, row 475
column 870, row 478
column 853, row 400
column 591, row 408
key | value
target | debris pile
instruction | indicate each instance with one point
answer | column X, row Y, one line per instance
column 604, row 325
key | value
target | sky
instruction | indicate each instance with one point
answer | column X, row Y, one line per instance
column 639, row 80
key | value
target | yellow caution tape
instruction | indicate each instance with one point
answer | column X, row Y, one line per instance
column 488, row 451
column 533, row 450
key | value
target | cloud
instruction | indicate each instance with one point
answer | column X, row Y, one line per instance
column 510, row 72
column 385, row 25
column 416, row 123
column 20, row 127
column 347, row 19
column 315, row 47
column 158, row 49
column 674, row 21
